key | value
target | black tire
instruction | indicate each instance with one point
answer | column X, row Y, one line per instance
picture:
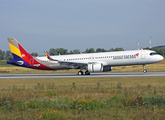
column 80, row 73
column 144, row 70
column 87, row 73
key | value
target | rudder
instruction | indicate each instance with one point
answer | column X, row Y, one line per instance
column 14, row 47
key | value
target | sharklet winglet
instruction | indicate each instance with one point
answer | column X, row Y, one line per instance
column 47, row 55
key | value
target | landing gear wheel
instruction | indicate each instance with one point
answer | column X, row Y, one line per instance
column 80, row 73
column 87, row 73
column 144, row 70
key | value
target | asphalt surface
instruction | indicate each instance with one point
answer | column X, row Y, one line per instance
column 74, row 75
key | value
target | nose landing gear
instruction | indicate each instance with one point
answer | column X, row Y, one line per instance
column 144, row 69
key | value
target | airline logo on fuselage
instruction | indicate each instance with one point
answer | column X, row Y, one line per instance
column 126, row 56
column 137, row 54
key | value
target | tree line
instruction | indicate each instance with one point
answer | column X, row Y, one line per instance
column 7, row 55
column 160, row 51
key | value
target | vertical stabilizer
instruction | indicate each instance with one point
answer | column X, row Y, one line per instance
column 20, row 55
column 23, row 58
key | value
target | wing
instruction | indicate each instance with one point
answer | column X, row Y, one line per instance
column 75, row 65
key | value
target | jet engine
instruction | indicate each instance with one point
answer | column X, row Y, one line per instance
column 98, row 67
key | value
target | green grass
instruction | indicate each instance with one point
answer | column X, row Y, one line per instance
column 83, row 98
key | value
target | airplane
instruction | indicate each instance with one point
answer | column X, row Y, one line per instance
column 91, row 62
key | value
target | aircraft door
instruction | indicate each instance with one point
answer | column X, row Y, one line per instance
column 142, row 55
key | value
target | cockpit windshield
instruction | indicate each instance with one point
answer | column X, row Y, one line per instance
column 153, row 53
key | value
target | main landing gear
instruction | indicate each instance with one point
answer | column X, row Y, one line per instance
column 144, row 69
column 81, row 73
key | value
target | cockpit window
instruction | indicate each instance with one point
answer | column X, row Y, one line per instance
column 153, row 53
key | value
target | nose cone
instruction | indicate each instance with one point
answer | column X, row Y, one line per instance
column 160, row 58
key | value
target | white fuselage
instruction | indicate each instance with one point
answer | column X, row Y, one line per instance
column 121, row 58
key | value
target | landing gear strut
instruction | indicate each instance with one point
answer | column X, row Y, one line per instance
column 144, row 69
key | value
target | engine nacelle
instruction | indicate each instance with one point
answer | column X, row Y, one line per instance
column 98, row 67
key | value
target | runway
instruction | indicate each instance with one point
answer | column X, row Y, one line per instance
column 74, row 75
